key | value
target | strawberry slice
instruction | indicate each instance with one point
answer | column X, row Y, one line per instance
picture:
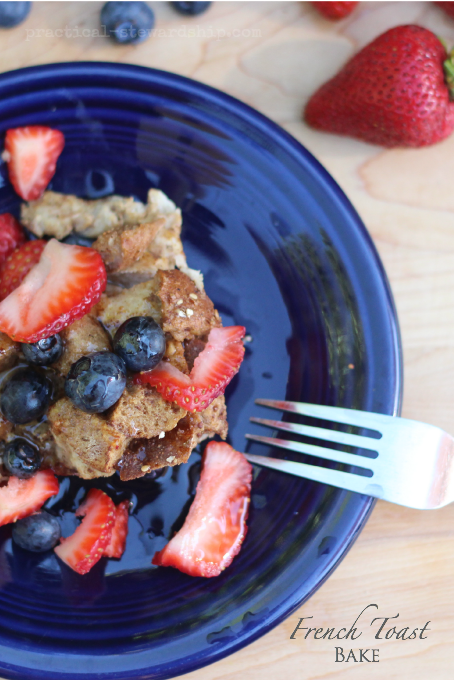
column 62, row 287
column 213, row 369
column 11, row 235
column 117, row 543
column 31, row 154
column 22, row 497
column 87, row 544
column 17, row 265
column 215, row 527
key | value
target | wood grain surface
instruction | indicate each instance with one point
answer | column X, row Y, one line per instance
column 273, row 55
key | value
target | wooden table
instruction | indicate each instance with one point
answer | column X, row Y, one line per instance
column 273, row 55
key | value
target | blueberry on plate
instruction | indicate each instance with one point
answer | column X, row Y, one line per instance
column 20, row 458
column 13, row 13
column 96, row 382
column 75, row 239
column 38, row 532
column 191, row 8
column 140, row 342
column 25, row 396
column 44, row 352
column 127, row 22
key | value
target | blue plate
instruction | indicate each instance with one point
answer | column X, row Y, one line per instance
column 284, row 254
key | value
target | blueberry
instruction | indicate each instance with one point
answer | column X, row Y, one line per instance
column 140, row 342
column 191, row 8
column 127, row 22
column 75, row 239
column 96, row 382
column 13, row 13
column 37, row 532
column 44, row 352
column 25, row 396
column 20, row 458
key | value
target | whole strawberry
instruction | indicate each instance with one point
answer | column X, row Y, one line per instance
column 335, row 10
column 392, row 93
column 447, row 7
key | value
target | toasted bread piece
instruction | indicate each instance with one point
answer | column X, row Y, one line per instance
column 194, row 274
column 186, row 310
column 164, row 252
column 140, row 300
column 175, row 447
column 167, row 248
column 58, row 215
column 85, row 442
column 143, row 455
column 214, row 419
column 175, row 354
column 142, row 412
column 82, row 337
column 141, row 271
column 9, row 352
column 53, row 462
column 119, row 249
column 192, row 349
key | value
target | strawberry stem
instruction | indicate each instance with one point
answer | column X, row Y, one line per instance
column 448, row 65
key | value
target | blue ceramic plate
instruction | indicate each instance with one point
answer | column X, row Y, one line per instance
column 285, row 255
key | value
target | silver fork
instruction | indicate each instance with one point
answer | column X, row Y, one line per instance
column 414, row 465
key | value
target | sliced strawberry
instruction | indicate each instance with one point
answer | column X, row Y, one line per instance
column 213, row 369
column 62, row 287
column 31, row 154
column 17, row 265
column 11, row 235
column 117, row 543
column 87, row 544
column 22, row 497
column 216, row 524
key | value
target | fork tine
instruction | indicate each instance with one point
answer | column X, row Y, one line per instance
column 320, row 451
column 343, row 480
column 320, row 433
column 339, row 415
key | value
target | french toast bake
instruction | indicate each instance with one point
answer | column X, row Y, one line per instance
column 140, row 246
column 113, row 360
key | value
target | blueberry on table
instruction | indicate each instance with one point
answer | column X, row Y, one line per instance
column 25, row 396
column 20, row 458
column 75, row 239
column 37, row 532
column 140, row 342
column 45, row 351
column 13, row 13
column 127, row 22
column 96, row 382
column 191, row 8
